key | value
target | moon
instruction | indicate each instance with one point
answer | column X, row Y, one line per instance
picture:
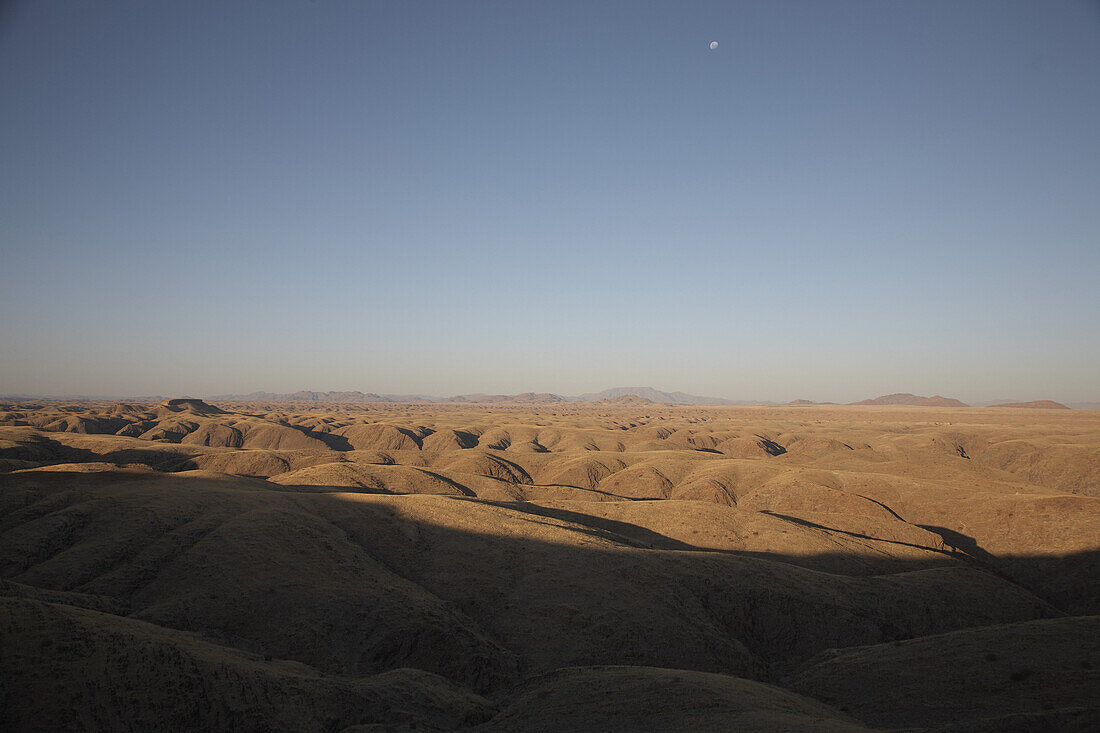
column 713, row 45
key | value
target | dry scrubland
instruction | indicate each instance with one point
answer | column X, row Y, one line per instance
column 618, row 566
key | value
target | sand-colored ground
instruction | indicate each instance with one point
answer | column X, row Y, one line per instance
column 571, row 566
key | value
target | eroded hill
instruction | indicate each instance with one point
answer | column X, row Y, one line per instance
column 623, row 565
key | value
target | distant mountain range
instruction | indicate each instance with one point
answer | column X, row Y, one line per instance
column 310, row 396
column 526, row 398
column 618, row 395
column 615, row 394
column 655, row 395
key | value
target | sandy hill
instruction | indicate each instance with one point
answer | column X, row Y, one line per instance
column 628, row 565
column 904, row 398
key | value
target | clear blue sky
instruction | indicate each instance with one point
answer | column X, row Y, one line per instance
column 842, row 200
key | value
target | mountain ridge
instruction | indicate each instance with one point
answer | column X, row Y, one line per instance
column 912, row 400
column 535, row 398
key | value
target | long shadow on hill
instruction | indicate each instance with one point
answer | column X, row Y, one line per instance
column 160, row 460
column 859, row 535
column 771, row 447
column 624, row 532
column 48, row 451
column 486, row 594
column 961, row 543
column 1069, row 583
column 333, row 442
column 961, row 546
column 1038, row 574
column 42, row 448
column 1077, row 593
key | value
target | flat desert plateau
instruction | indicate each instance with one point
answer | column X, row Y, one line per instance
column 619, row 565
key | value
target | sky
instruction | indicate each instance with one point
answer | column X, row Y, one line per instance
column 844, row 199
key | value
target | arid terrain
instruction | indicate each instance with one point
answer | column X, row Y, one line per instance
column 611, row 565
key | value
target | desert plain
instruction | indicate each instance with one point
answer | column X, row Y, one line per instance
column 616, row 565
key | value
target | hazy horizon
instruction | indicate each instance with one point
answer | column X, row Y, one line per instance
column 841, row 201
column 567, row 395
